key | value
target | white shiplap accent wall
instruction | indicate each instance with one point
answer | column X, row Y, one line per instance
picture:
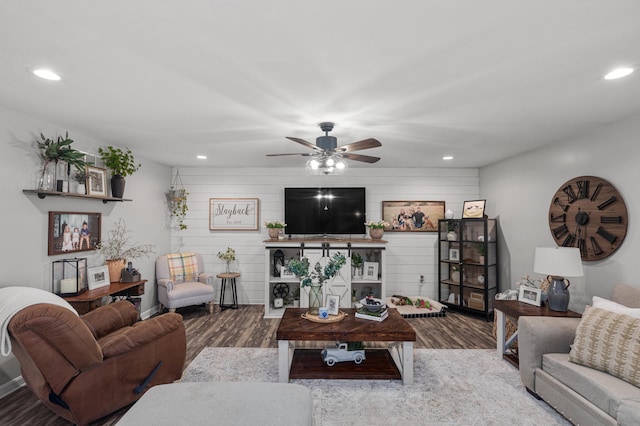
column 409, row 255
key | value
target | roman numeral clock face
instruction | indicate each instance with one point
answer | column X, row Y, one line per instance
column 589, row 213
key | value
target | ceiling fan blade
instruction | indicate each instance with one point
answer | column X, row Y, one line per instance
column 298, row 153
column 360, row 157
column 304, row 143
column 357, row 146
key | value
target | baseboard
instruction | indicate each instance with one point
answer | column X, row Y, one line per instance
column 150, row 312
column 11, row 386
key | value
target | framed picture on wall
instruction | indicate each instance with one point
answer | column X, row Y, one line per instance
column 73, row 232
column 233, row 214
column 412, row 216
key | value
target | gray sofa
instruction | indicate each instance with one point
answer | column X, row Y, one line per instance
column 583, row 395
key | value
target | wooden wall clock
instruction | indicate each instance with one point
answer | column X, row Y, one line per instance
column 589, row 213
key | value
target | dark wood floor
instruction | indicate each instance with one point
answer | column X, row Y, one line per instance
column 247, row 328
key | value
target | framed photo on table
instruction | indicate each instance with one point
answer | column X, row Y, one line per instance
column 454, row 254
column 333, row 304
column 98, row 277
column 530, row 295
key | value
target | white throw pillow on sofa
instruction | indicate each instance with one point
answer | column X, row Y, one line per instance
column 611, row 306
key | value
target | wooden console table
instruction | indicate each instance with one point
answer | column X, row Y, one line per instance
column 515, row 310
column 92, row 299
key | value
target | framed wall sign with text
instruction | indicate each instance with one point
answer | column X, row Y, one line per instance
column 233, row 214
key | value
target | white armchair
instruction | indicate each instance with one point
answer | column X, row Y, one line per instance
column 182, row 281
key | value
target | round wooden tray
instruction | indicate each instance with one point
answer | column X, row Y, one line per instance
column 332, row 318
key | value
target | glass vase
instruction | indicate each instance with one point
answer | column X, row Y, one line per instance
column 46, row 178
column 315, row 299
column 228, row 269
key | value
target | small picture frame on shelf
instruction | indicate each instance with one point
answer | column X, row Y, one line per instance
column 96, row 181
column 333, row 304
column 530, row 295
column 286, row 273
column 454, row 254
column 473, row 209
column 98, row 277
column 371, row 271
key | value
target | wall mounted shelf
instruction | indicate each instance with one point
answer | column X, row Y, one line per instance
column 44, row 194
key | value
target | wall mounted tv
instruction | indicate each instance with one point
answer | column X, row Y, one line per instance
column 324, row 211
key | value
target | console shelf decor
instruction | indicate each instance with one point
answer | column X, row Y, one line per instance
column 43, row 194
column 282, row 288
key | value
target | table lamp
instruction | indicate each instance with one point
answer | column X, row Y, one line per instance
column 558, row 263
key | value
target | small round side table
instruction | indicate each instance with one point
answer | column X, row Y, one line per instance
column 228, row 278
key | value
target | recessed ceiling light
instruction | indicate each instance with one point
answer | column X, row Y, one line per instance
column 201, row 157
column 47, row 74
column 448, row 157
column 618, row 73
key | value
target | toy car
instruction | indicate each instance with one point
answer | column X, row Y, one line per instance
column 343, row 352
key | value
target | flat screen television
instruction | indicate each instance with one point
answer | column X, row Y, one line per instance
column 324, row 211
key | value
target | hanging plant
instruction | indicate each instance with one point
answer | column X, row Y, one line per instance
column 177, row 197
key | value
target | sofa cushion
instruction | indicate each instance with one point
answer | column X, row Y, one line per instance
column 601, row 389
column 610, row 305
column 608, row 342
column 183, row 267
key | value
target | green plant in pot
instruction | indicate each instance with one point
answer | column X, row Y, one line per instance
column 357, row 264
column 118, row 248
column 53, row 152
column 121, row 163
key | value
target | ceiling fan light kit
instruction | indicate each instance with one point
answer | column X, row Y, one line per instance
column 328, row 157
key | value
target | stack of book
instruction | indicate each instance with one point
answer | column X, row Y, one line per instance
column 367, row 314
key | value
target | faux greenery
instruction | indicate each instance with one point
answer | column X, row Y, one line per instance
column 80, row 177
column 301, row 268
column 118, row 245
column 275, row 224
column 60, row 150
column 480, row 248
column 119, row 161
column 227, row 256
column 452, row 226
column 356, row 260
column 381, row 224
column 179, row 207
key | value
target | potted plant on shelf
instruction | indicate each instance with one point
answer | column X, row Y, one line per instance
column 481, row 251
column 228, row 256
column 54, row 152
column 452, row 228
column 117, row 249
column 122, row 164
column 376, row 229
column 316, row 276
column 81, row 181
column 274, row 228
column 357, row 264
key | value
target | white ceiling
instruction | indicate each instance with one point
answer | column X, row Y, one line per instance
column 480, row 80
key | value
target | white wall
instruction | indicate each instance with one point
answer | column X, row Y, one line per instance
column 409, row 255
column 25, row 217
column 520, row 191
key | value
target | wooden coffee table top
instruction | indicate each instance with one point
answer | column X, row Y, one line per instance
column 351, row 329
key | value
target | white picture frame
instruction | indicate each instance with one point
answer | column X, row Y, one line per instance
column 454, row 254
column 98, row 277
column 286, row 273
column 333, row 304
column 371, row 271
column 530, row 295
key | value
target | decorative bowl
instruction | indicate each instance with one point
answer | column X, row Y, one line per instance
column 372, row 304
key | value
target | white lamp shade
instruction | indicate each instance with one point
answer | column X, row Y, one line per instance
column 558, row 261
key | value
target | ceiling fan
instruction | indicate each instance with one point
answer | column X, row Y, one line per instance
column 326, row 147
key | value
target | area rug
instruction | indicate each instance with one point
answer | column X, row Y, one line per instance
column 451, row 387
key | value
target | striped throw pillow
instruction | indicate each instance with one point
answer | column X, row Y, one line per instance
column 609, row 342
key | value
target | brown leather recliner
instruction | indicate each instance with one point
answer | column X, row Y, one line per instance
column 84, row 368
